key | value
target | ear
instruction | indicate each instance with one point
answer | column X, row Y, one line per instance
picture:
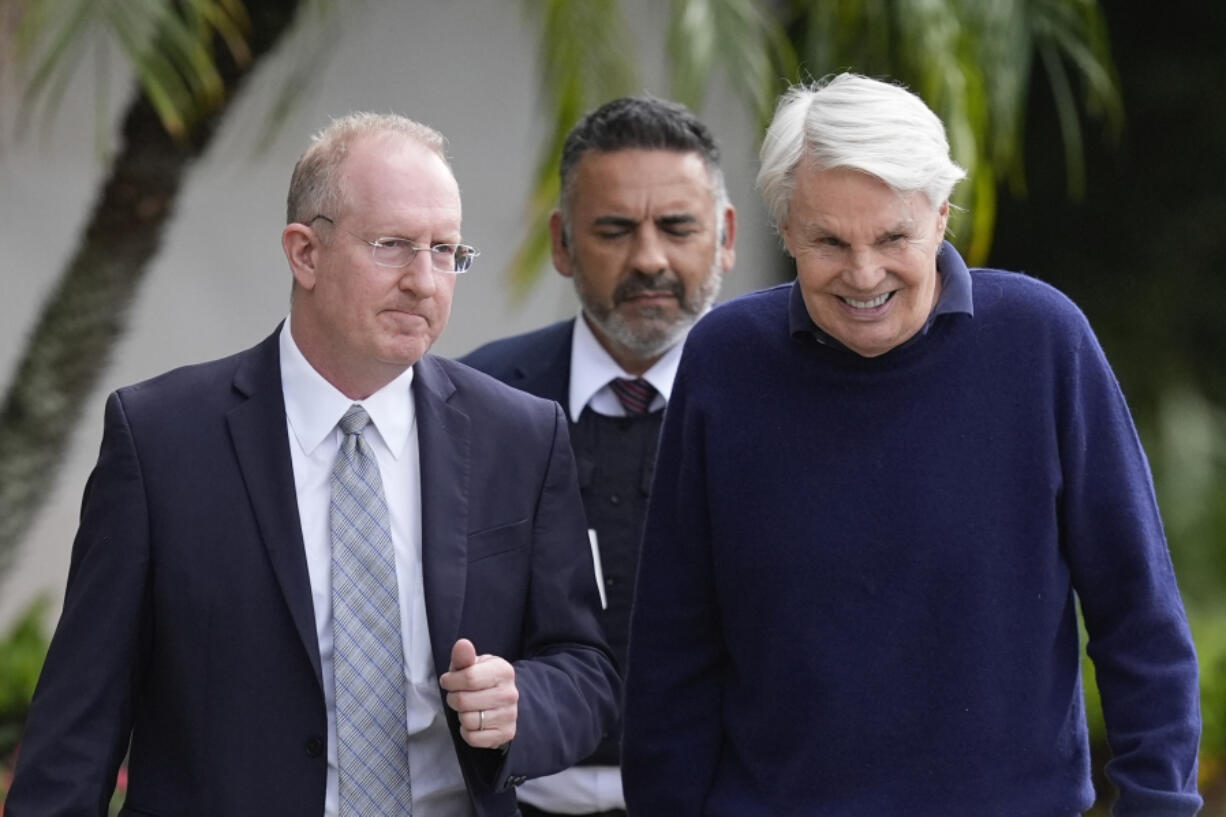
column 943, row 218
column 301, row 246
column 727, row 238
column 557, row 244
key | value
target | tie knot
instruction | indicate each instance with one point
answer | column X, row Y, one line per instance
column 355, row 420
column 635, row 395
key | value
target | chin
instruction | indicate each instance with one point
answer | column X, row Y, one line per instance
column 867, row 348
column 406, row 354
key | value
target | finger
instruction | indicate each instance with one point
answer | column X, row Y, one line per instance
column 487, row 672
column 489, row 728
column 471, row 698
column 463, row 655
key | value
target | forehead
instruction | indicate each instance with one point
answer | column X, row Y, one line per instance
column 843, row 198
column 390, row 180
column 636, row 180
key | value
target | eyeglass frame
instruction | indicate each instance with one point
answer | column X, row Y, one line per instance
column 377, row 244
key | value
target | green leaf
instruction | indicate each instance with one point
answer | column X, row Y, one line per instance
column 21, row 660
column 168, row 43
column 585, row 59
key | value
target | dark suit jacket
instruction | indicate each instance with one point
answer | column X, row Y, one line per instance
column 537, row 362
column 188, row 620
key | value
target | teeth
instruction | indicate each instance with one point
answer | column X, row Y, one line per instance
column 869, row 304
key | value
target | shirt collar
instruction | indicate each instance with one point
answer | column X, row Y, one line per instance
column 955, row 298
column 592, row 367
column 314, row 406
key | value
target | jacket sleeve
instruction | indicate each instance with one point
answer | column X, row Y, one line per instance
column 1139, row 639
column 568, row 686
column 674, row 676
column 81, row 716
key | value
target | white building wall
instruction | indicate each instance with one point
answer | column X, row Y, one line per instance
column 221, row 283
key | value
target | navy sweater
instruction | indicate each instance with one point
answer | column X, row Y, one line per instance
column 857, row 588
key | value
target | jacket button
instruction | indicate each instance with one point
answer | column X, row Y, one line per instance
column 314, row 747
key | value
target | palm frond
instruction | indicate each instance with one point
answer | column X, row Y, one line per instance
column 586, row 59
column 170, row 45
column 751, row 45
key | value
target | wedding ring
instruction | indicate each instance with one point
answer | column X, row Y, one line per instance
column 480, row 720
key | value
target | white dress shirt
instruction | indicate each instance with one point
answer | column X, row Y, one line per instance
column 591, row 369
column 590, row 789
column 313, row 407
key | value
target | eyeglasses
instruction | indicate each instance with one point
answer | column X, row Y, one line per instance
column 400, row 252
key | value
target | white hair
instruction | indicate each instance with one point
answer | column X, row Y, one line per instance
column 864, row 124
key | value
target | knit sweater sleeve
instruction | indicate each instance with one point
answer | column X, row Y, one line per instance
column 1139, row 639
column 671, row 729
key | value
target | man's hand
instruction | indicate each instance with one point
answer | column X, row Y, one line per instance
column 481, row 688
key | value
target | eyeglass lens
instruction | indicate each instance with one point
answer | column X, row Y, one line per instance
column 398, row 252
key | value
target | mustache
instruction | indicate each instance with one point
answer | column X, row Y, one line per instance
column 639, row 282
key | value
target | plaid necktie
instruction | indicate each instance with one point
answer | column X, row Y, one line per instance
column 635, row 395
column 368, row 662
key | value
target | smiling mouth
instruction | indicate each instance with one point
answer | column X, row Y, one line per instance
column 871, row 303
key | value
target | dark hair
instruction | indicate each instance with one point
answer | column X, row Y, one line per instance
column 645, row 123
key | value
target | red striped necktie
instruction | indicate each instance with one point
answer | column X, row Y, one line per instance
column 635, row 395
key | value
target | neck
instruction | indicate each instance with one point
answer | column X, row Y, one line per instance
column 356, row 379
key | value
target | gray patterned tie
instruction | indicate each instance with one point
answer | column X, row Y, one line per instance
column 368, row 662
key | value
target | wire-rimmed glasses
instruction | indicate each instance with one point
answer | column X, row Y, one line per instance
column 388, row 251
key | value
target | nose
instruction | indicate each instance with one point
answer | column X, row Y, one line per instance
column 419, row 276
column 864, row 270
column 648, row 255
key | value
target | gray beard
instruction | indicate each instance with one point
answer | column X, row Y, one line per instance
column 645, row 341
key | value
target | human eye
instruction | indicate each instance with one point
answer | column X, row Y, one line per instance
column 451, row 257
column 390, row 251
column 679, row 227
column 612, row 228
column 895, row 241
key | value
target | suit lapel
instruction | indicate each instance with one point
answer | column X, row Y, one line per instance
column 443, row 440
column 548, row 375
column 261, row 443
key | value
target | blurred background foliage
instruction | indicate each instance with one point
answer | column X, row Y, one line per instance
column 973, row 61
column 1142, row 253
column 1094, row 133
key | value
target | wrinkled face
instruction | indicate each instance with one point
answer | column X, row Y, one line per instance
column 865, row 256
column 359, row 324
column 646, row 248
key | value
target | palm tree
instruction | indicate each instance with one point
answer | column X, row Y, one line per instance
column 189, row 60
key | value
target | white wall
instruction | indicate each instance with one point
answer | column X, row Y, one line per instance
column 220, row 283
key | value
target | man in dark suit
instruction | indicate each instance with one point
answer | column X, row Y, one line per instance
column 225, row 614
column 645, row 231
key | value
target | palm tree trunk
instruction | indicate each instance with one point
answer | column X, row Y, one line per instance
column 87, row 312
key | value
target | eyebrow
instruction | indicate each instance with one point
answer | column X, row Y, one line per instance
column 672, row 220
column 615, row 221
column 818, row 231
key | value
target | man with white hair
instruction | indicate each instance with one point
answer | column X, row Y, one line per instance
column 881, row 492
